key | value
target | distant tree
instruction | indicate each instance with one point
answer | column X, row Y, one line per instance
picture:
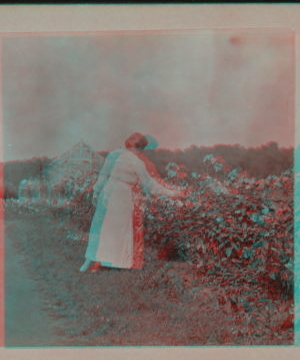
column 259, row 162
column 16, row 171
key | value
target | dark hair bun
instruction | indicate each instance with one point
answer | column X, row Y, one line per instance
column 137, row 141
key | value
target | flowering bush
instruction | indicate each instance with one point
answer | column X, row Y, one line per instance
column 177, row 174
column 216, row 165
column 236, row 223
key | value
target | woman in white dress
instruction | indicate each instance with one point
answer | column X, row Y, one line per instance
column 116, row 235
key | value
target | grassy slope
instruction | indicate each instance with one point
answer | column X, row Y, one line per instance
column 162, row 304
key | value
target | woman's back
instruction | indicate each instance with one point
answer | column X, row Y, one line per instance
column 126, row 168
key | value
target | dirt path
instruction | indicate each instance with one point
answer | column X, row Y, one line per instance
column 26, row 323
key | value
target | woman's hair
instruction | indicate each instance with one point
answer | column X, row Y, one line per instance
column 137, row 141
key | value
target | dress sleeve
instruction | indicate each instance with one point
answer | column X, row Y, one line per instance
column 103, row 176
column 154, row 185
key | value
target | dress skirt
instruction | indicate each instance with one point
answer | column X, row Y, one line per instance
column 116, row 237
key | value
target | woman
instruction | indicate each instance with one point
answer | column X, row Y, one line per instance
column 116, row 235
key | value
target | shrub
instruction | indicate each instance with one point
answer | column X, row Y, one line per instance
column 223, row 225
column 216, row 231
column 10, row 191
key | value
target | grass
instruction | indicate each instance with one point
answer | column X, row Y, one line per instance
column 167, row 303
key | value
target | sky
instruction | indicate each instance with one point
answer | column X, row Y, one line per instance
column 199, row 89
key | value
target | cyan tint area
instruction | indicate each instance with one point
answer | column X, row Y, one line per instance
column 149, row 190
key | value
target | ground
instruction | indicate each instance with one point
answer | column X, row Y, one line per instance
column 50, row 303
column 27, row 324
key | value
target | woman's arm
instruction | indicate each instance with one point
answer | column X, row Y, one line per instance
column 161, row 188
column 155, row 184
column 102, row 177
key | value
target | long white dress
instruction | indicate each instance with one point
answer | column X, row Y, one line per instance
column 116, row 235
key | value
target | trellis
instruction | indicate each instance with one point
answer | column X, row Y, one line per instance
column 55, row 184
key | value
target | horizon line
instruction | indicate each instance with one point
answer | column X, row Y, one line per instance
column 163, row 149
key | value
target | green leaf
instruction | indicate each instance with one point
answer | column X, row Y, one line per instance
column 246, row 253
column 257, row 244
column 272, row 276
column 289, row 266
column 240, row 238
column 245, row 305
column 223, row 244
column 229, row 251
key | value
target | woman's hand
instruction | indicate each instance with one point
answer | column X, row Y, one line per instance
column 185, row 194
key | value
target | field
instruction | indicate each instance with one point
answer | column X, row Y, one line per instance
column 218, row 268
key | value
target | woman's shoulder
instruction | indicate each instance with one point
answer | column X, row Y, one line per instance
column 121, row 156
column 114, row 154
column 130, row 158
